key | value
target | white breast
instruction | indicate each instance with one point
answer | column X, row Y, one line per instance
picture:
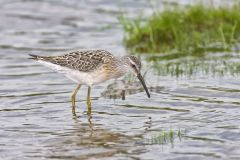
column 87, row 78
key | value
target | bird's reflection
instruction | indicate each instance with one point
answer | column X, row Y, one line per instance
column 86, row 134
column 90, row 124
column 77, row 120
column 87, row 137
column 120, row 89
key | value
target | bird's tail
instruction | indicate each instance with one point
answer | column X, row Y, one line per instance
column 35, row 57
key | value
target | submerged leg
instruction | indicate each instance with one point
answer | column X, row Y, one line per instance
column 73, row 98
column 89, row 100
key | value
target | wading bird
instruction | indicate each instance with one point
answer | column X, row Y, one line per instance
column 90, row 67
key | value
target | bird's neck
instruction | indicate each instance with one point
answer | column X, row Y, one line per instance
column 121, row 65
column 124, row 60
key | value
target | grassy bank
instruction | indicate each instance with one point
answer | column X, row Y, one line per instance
column 191, row 30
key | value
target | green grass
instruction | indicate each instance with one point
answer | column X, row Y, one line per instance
column 165, row 137
column 191, row 30
column 214, row 64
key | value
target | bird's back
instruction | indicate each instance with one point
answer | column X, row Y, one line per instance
column 83, row 60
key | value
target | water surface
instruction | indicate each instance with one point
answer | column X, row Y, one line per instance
column 188, row 116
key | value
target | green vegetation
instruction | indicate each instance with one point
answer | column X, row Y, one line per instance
column 192, row 40
column 191, row 30
column 215, row 64
column 165, row 137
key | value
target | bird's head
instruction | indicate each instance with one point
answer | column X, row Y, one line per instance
column 134, row 65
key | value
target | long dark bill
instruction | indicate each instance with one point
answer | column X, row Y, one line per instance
column 143, row 83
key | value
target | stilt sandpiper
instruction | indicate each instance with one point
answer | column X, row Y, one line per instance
column 90, row 67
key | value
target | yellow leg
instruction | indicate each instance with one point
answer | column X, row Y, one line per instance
column 89, row 101
column 73, row 98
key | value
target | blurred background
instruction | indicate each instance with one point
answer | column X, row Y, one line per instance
column 190, row 55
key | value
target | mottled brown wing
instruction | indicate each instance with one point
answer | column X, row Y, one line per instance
column 86, row 60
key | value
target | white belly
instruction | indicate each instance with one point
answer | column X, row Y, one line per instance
column 87, row 78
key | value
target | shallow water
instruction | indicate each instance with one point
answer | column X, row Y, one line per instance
column 187, row 117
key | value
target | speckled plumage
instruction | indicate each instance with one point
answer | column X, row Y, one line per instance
column 84, row 60
column 89, row 67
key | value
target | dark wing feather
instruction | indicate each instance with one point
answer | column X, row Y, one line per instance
column 85, row 60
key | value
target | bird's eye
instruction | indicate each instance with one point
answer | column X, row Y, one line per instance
column 133, row 65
